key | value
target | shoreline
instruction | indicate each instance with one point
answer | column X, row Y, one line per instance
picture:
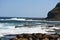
column 36, row 36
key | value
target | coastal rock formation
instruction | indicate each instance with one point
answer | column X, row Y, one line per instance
column 37, row 36
column 54, row 13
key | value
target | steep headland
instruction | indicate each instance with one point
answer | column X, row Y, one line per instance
column 54, row 14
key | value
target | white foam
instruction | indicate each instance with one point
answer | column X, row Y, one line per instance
column 56, row 27
column 12, row 30
column 22, row 30
column 15, row 19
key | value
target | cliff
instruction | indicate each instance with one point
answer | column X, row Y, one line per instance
column 54, row 14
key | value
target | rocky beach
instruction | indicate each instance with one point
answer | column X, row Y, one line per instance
column 37, row 36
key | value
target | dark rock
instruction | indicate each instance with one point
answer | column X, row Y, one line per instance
column 54, row 13
column 19, row 36
column 36, row 36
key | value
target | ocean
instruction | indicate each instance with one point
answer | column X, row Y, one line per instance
column 8, row 25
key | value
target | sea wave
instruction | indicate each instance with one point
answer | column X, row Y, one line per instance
column 14, row 19
column 17, row 19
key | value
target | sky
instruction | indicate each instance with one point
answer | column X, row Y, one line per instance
column 26, row 8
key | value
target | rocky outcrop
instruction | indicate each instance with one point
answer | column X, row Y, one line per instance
column 54, row 13
column 37, row 36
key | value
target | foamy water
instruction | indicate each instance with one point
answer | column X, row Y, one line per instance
column 7, row 26
column 21, row 30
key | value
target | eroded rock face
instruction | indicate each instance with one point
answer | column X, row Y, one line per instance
column 55, row 12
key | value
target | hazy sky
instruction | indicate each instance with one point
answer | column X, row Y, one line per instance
column 26, row 8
